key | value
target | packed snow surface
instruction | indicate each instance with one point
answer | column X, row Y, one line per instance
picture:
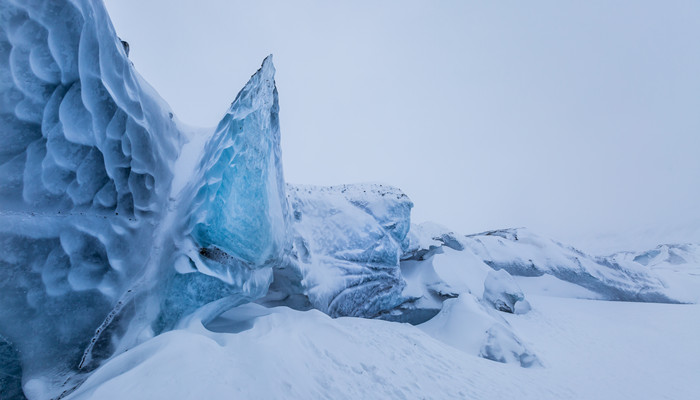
column 589, row 349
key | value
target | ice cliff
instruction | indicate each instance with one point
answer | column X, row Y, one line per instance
column 85, row 172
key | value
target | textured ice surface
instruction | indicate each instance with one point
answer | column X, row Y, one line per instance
column 98, row 254
column 85, row 172
column 348, row 241
column 523, row 253
column 235, row 221
column 241, row 207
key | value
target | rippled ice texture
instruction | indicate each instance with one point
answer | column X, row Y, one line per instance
column 97, row 253
column 84, row 179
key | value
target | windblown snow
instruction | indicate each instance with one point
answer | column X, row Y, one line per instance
column 144, row 259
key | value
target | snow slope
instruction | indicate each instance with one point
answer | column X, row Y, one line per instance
column 590, row 350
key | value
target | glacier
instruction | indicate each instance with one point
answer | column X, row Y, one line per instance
column 102, row 250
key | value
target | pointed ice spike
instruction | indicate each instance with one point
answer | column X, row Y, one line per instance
column 239, row 219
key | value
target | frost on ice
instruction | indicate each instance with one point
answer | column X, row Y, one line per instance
column 348, row 241
column 96, row 253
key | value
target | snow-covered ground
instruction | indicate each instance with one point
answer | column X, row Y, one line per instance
column 563, row 341
column 589, row 349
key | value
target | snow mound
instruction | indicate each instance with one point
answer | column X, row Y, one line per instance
column 666, row 256
column 254, row 352
column 429, row 238
column 466, row 324
column 232, row 220
column 257, row 352
column 430, row 281
column 677, row 265
column 501, row 290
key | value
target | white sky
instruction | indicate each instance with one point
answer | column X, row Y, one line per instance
column 579, row 121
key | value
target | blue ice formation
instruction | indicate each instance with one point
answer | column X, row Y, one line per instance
column 241, row 206
column 347, row 245
column 97, row 253
column 85, row 172
column 235, row 213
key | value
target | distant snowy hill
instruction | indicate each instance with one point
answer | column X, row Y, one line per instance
column 524, row 253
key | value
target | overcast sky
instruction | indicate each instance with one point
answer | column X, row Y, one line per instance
column 577, row 120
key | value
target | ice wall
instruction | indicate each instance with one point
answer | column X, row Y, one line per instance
column 97, row 253
column 85, row 172
column 234, row 214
